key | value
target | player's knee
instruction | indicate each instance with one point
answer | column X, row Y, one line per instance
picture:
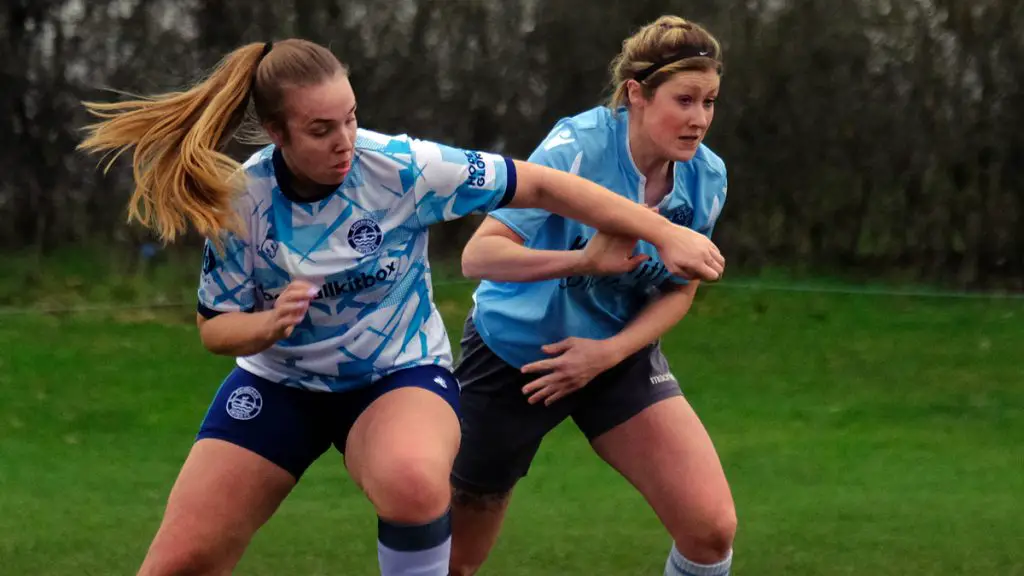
column 710, row 539
column 182, row 558
column 411, row 489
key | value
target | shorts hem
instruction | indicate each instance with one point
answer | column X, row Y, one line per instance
column 234, row 441
column 478, row 489
column 626, row 416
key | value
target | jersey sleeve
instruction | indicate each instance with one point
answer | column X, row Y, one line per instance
column 452, row 183
column 226, row 283
column 718, row 189
column 560, row 150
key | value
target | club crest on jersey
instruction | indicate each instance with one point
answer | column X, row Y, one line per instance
column 365, row 236
column 244, row 403
column 682, row 215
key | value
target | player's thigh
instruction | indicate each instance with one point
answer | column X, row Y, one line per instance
column 639, row 422
column 401, row 448
column 501, row 430
column 257, row 439
column 666, row 453
column 222, row 496
column 501, row 433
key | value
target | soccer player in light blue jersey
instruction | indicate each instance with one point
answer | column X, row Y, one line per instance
column 548, row 339
column 315, row 277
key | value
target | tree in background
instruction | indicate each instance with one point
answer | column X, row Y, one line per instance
column 861, row 135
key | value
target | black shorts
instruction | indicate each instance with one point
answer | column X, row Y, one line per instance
column 501, row 430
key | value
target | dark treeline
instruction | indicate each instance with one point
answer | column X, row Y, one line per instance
column 860, row 135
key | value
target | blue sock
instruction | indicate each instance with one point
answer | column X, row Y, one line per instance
column 422, row 550
column 678, row 565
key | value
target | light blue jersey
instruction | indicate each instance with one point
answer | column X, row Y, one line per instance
column 516, row 319
column 364, row 244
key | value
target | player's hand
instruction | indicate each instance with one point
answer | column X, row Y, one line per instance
column 690, row 254
column 290, row 308
column 607, row 254
column 576, row 362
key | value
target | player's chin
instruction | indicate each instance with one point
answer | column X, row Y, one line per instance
column 684, row 149
column 332, row 178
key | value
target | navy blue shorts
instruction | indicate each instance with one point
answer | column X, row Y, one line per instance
column 293, row 427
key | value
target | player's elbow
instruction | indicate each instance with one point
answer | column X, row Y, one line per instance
column 213, row 347
column 210, row 344
column 208, row 337
column 473, row 261
column 203, row 333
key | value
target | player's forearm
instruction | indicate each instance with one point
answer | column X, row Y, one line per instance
column 653, row 321
column 579, row 199
column 499, row 259
column 237, row 333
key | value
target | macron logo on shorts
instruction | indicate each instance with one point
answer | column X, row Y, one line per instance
column 661, row 378
column 440, row 382
column 244, row 403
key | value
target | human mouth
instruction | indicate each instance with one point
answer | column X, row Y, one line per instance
column 690, row 141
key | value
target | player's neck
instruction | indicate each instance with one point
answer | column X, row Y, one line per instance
column 656, row 169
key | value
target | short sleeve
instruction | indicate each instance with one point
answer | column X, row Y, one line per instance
column 560, row 150
column 718, row 189
column 226, row 283
column 452, row 183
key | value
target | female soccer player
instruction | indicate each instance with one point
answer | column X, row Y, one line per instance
column 546, row 341
column 315, row 277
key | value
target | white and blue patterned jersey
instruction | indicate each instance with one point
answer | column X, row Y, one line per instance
column 516, row 319
column 364, row 244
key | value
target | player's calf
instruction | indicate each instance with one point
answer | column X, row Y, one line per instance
column 476, row 523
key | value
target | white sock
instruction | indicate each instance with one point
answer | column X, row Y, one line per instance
column 679, row 565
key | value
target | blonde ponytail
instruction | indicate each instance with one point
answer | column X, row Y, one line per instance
column 181, row 177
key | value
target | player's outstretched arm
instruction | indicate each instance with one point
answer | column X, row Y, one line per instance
column 496, row 252
column 685, row 252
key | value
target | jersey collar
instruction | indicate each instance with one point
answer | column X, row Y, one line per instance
column 629, row 165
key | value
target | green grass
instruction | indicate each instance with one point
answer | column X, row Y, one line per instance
column 861, row 435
